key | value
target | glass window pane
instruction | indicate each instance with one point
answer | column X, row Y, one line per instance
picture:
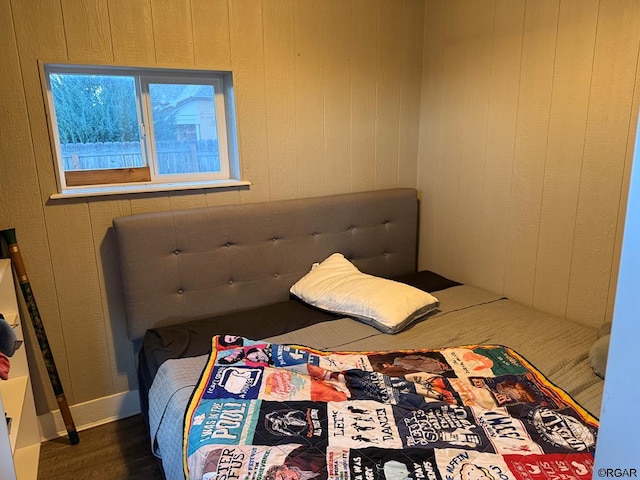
column 97, row 121
column 184, row 126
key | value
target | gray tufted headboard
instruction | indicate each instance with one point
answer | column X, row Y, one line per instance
column 189, row 264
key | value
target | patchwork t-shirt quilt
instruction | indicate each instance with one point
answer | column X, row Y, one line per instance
column 287, row 412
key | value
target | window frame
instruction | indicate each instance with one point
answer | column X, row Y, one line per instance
column 147, row 178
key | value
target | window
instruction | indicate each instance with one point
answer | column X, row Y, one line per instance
column 122, row 130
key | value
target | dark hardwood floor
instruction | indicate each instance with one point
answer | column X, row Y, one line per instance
column 114, row 451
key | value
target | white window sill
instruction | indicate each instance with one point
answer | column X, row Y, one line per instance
column 100, row 190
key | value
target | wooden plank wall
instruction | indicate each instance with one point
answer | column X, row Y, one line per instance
column 327, row 96
column 528, row 122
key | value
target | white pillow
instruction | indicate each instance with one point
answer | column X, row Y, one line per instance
column 338, row 286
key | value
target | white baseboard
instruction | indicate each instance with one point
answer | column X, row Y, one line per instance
column 90, row 414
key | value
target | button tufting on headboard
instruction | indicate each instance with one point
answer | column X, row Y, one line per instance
column 308, row 231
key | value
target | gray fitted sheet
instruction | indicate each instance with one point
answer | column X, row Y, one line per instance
column 467, row 315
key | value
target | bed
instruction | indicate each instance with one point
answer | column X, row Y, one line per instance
column 190, row 275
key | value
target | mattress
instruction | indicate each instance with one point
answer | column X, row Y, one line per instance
column 192, row 338
column 467, row 315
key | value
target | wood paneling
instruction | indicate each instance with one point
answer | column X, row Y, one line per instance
column 279, row 58
column 527, row 126
column 364, row 21
column 308, row 72
column 247, row 59
column 336, row 51
column 477, row 26
column 445, row 165
column 501, row 129
column 223, row 197
column 21, row 202
column 121, row 361
column 79, row 343
column 88, row 32
column 184, row 200
column 133, row 43
column 327, row 100
column 565, row 149
column 546, row 130
column 532, row 128
column 132, row 32
column 172, row 31
column 410, row 87
column 604, row 159
column 388, row 93
column 430, row 148
column 634, row 125
column 211, row 34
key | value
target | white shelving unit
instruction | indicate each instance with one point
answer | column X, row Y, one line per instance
column 19, row 442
